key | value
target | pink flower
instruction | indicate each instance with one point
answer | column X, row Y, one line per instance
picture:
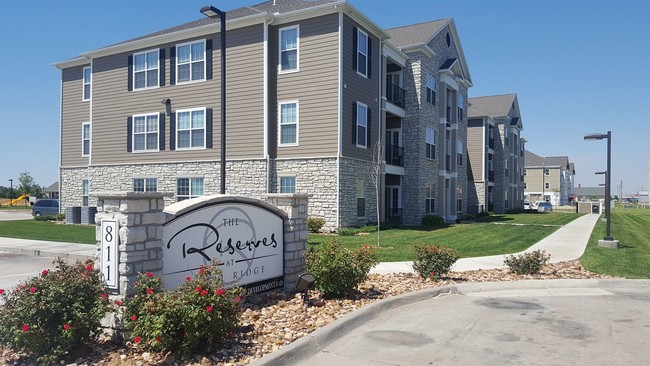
column 32, row 289
column 66, row 326
column 105, row 296
column 134, row 317
column 204, row 292
column 137, row 340
column 24, row 328
column 158, row 339
column 198, row 288
column 118, row 303
column 45, row 272
column 2, row 291
column 149, row 274
column 149, row 291
column 208, row 308
column 201, row 271
column 238, row 299
column 220, row 292
column 188, row 278
column 89, row 267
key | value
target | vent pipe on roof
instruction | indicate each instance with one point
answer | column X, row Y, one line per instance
column 273, row 2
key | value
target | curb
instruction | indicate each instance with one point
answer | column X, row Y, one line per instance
column 316, row 341
column 45, row 253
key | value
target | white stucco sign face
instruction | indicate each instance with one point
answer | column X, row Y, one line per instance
column 246, row 240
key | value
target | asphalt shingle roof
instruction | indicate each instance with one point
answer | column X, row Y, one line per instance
column 532, row 159
column 491, row 106
column 415, row 34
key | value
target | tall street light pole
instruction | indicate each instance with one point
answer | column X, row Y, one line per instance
column 212, row 12
column 11, row 191
column 608, row 240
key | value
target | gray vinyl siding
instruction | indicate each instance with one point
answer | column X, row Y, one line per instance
column 113, row 103
column 74, row 112
column 314, row 86
column 357, row 88
column 476, row 149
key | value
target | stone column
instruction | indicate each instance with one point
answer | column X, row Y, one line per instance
column 296, row 233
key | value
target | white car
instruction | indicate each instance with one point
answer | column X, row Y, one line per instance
column 527, row 206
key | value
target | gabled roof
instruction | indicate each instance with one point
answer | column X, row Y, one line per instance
column 589, row 191
column 493, row 106
column 534, row 160
column 54, row 187
column 415, row 34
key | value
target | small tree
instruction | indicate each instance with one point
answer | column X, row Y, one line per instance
column 378, row 165
column 27, row 185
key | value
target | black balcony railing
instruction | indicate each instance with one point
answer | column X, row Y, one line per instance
column 491, row 143
column 448, row 162
column 491, row 175
column 394, row 215
column 394, row 155
column 448, row 114
column 395, row 94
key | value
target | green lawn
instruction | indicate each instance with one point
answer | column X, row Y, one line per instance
column 631, row 227
column 471, row 240
column 533, row 218
column 20, row 207
column 44, row 230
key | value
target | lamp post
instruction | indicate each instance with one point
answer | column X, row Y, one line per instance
column 607, row 241
column 11, row 191
column 212, row 12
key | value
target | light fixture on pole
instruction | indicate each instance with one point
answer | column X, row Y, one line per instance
column 608, row 240
column 212, row 12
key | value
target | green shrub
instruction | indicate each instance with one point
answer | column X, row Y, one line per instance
column 467, row 217
column 527, row 263
column 57, row 217
column 200, row 315
column 338, row 270
column 485, row 214
column 432, row 261
column 432, row 220
column 54, row 313
column 315, row 224
column 348, row 231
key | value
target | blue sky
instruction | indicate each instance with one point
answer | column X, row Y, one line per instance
column 578, row 67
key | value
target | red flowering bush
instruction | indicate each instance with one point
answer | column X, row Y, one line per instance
column 432, row 261
column 338, row 270
column 200, row 315
column 51, row 314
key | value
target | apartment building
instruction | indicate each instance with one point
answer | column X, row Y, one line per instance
column 549, row 179
column 495, row 153
column 313, row 88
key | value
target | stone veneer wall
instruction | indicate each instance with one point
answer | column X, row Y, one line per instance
column 350, row 170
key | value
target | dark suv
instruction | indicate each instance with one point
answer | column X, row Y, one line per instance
column 45, row 207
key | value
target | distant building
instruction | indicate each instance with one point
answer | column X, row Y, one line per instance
column 589, row 193
column 549, row 179
column 52, row 191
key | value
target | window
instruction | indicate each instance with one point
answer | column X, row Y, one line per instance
column 289, row 48
column 459, row 152
column 87, row 82
column 546, row 172
column 547, row 185
column 190, row 131
column 460, row 100
column 459, row 205
column 430, row 143
column 85, row 187
column 187, row 188
column 85, row 139
column 288, row 184
column 145, row 184
column 431, row 89
column 362, row 53
column 145, row 132
column 362, row 125
column 288, row 124
column 190, row 62
column 361, row 197
column 145, row 69
column 429, row 199
column 525, row 171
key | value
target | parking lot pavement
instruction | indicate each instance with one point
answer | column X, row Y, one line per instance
column 15, row 268
column 15, row 215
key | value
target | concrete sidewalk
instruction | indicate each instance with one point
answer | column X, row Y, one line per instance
column 566, row 244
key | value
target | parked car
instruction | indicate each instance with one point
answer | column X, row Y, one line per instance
column 46, row 207
column 527, row 206
column 544, row 207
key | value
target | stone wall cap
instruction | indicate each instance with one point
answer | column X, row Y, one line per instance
column 180, row 208
column 289, row 195
column 129, row 195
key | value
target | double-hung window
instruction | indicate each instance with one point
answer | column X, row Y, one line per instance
column 288, row 184
column 87, row 83
column 85, row 188
column 190, row 131
column 288, row 124
column 190, row 62
column 289, row 48
column 145, row 69
column 429, row 199
column 187, row 188
column 431, row 89
column 459, row 152
column 362, row 125
column 362, row 53
column 460, row 102
column 361, row 197
column 430, row 143
column 459, row 205
column 85, row 139
column 145, row 184
column 145, row 132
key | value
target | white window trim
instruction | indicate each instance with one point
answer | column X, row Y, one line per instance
column 204, row 129
column 428, row 142
column 144, row 183
column 356, row 125
column 145, row 115
column 289, row 71
column 295, row 183
column 190, row 62
column 146, row 70
column 365, row 53
column 84, row 83
column 189, row 196
column 430, row 194
column 297, row 103
column 83, row 125
column 87, row 181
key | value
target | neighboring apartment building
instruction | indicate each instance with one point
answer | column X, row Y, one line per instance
column 495, row 153
column 549, row 179
column 312, row 88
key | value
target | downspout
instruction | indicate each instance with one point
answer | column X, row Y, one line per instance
column 382, row 128
column 340, row 127
column 266, row 105
column 60, row 138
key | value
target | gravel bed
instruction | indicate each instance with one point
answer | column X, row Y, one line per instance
column 272, row 320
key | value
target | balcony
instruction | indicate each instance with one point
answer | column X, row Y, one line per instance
column 394, row 155
column 448, row 114
column 394, row 215
column 491, row 176
column 491, row 143
column 395, row 94
column 448, row 162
